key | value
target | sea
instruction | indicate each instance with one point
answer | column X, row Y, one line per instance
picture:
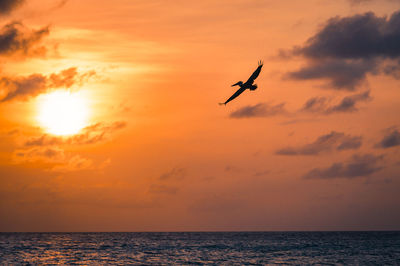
column 201, row 248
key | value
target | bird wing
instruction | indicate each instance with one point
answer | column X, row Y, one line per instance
column 236, row 94
column 255, row 73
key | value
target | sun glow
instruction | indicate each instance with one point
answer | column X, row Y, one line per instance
column 63, row 112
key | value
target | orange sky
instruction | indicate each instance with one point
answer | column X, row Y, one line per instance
column 315, row 147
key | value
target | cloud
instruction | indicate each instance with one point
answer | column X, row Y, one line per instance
column 346, row 49
column 324, row 143
column 262, row 173
column 347, row 104
column 96, row 133
column 357, row 166
column 163, row 189
column 259, row 110
column 55, row 159
column 18, row 40
column 23, row 88
column 74, row 163
column 50, row 150
column 175, row 173
column 358, row 2
column 391, row 139
column 315, row 104
column 69, row 77
column 48, row 154
column 354, row 2
column 61, row 4
column 350, row 143
column 6, row 6
column 90, row 135
column 356, row 37
column 342, row 74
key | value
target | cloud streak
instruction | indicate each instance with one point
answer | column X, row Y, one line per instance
column 391, row 139
column 176, row 173
column 49, row 150
column 23, row 88
column 90, row 135
column 325, row 143
column 357, row 166
column 259, row 110
column 55, row 159
column 346, row 105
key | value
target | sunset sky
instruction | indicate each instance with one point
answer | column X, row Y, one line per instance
column 110, row 118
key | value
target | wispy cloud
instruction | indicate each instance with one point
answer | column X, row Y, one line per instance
column 391, row 139
column 357, row 166
column 90, row 135
column 174, row 173
column 163, row 189
column 259, row 110
column 325, row 143
column 55, row 159
column 25, row 87
column 348, row 104
column 52, row 150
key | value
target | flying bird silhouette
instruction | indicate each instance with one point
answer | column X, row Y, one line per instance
column 247, row 85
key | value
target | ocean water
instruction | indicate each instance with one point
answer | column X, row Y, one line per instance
column 221, row 248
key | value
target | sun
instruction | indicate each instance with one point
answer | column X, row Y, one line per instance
column 62, row 112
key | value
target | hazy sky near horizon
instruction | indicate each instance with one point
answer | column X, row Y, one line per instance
column 315, row 147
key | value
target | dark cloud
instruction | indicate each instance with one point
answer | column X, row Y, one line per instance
column 175, row 173
column 259, row 110
column 89, row 135
column 6, row 6
column 359, row 2
column 357, row 37
column 391, row 139
column 346, row 49
column 342, row 74
column 392, row 69
column 350, row 143
column 315, row 105
column 18, row 40
column 347, row 104
column 357, row 166
column 22, row 88
column 325, row 143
